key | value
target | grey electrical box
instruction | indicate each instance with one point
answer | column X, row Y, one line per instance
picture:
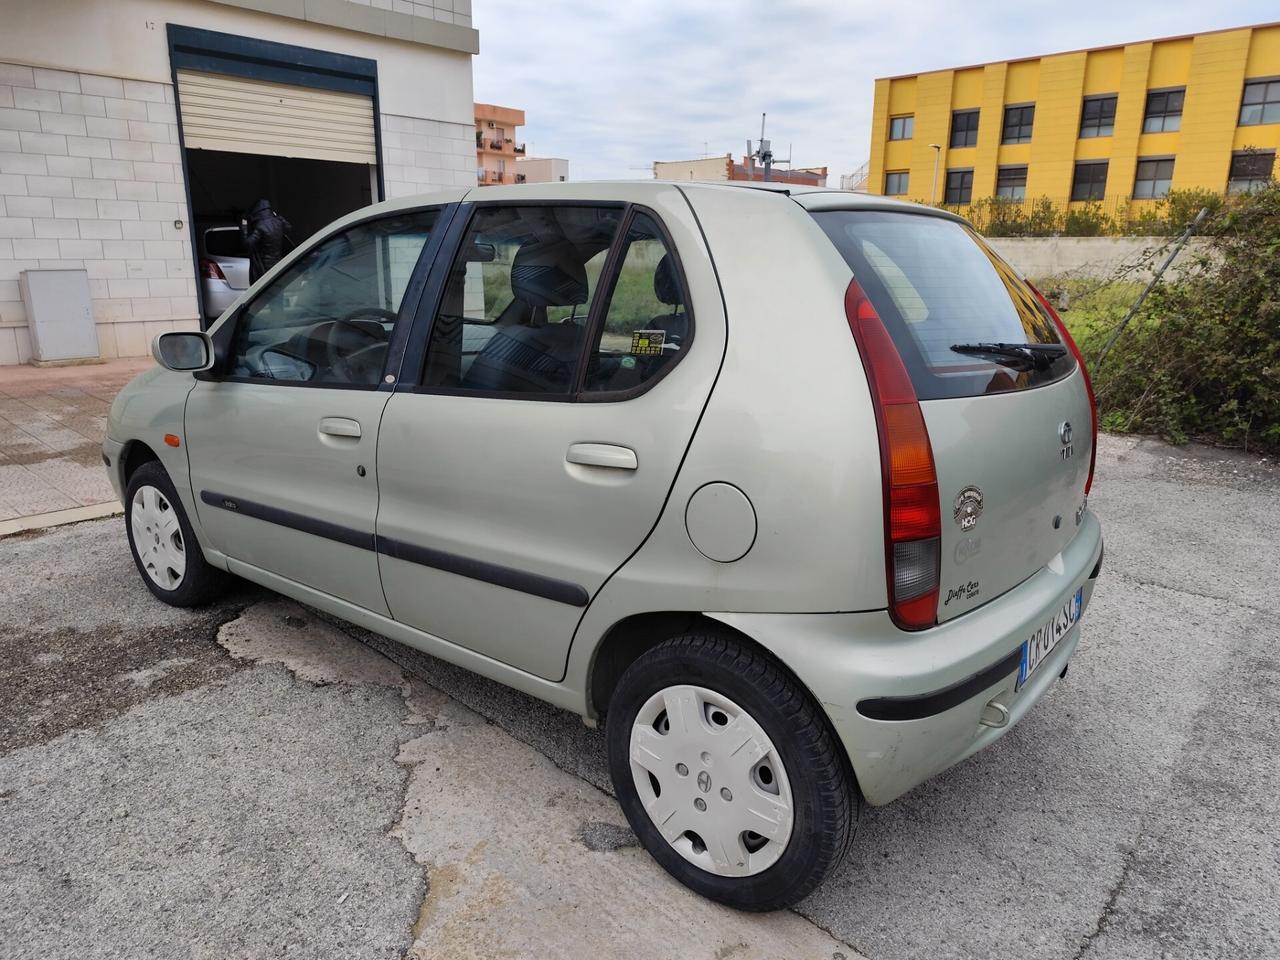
column 59, row 314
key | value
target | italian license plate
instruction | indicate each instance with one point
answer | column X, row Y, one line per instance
column 1041, row 643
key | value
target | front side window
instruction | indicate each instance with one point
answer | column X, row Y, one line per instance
column 513, row 317
column 1164, row 111
column 964, row 128
column 647, row 322
column 1250, row 170
column 1017, row 123
column 1090, row 181
column 1153, row 179
column 1098, row 118
column 1261, row 103
column 328, row 319
column 901, row 128
column 959, row 186
column 1011, row 183
column 895, row 183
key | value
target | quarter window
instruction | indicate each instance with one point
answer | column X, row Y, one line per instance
column 1011, row 183
column 901, row 128
column 895, row 183
column 1164, row 111
column 1017, row 123
column 964, row 128
column 328, row 319
column 1098, row 117
column 1261, row 103
column 1153, row 179
column 1090, row 182
column 513, row 317
column 647, row 323
column 959, row 186
column 1250, row 171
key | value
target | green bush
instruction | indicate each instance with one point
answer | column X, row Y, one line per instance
column 1202, row 358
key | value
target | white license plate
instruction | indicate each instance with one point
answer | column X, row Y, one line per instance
column 1041, row 643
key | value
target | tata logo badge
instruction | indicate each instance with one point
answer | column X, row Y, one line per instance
column 968, row 507
column 1064, row 434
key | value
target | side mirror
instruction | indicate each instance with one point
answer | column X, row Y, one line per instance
column 184, row 352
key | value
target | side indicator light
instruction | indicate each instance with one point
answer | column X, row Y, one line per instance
column 172, row 440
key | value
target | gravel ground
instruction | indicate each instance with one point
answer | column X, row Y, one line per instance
column 252, row 781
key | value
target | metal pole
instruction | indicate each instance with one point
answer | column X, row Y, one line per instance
column 937, row 156
column 1177, row 248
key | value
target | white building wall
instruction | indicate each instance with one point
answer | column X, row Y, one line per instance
column 420, row 155
column 91, row 177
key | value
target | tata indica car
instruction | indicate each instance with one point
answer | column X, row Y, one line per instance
column 786, row 487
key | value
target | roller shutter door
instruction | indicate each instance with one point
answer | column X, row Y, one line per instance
column 242, row 115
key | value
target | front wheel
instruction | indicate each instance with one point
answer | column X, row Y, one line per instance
column 163, row 544
column 729, row 773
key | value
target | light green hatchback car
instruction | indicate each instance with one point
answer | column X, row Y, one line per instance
column 787, row 486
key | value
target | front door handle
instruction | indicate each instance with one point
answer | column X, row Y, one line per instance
column 602, row 455
column 339, row 427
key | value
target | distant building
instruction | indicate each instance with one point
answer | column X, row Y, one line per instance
column 541, row 170
column 724, row 168
column 497, row 146
column 1122, row 123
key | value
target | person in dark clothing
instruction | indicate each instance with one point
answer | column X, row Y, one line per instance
column 264, row 237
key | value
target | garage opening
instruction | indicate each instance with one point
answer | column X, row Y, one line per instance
column 308, row 147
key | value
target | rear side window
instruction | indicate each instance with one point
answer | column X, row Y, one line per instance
column 224, row 242
column 936, row 286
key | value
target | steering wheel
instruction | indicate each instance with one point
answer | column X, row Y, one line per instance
column 355, row 342
column 359, row 312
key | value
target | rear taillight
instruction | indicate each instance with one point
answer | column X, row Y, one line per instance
column 912, row 515
column 1088, row 384
column 210, row 270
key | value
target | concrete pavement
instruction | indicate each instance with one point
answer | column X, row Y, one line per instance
column 252, row 780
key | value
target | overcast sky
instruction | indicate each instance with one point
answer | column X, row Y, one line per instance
column 615, row 84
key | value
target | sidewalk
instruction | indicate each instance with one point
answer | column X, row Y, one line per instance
column 52, row 421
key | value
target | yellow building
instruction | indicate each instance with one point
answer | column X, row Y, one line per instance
column 1123, row 122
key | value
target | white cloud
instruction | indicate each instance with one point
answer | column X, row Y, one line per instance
column 614, row 86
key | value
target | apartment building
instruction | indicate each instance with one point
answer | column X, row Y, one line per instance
column 498, row 143
column 130, row 129
column 1128, row 122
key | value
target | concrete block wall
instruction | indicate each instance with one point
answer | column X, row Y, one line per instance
column 91, row 178
column 419, row 156
column 446, row 11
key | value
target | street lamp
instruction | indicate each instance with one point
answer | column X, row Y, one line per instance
column 937, row 156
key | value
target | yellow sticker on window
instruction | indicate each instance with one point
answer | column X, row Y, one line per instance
column 647, row 343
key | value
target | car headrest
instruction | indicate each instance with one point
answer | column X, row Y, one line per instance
column 665, row 284
column 549, row 274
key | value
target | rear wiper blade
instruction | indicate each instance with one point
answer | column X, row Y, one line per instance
column 1039, row 355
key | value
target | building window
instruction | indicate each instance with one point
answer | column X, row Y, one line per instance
column 1250, row 170
column 1090, row 182
column 1011, row 183
column 1153, row 179
column 1017, row 124
column 1164, row 111
column 1098, row 119
column 1261, row 103
column 901, row 128
column 959, row 186
column 964, row 128
column 895, row 183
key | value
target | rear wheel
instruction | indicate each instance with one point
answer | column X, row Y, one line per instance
column 163, row 544
column 729, row 773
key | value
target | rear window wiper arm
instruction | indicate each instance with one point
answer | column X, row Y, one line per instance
column 1040, row 355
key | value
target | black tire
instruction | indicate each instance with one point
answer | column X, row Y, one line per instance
column 201, row 583
column 825, row 798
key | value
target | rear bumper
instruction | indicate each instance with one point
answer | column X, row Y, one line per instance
column 909, row 705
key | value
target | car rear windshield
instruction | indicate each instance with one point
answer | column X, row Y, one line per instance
column 224, row 242
column 936, row 286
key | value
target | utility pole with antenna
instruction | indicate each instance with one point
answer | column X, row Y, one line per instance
column 763, row 154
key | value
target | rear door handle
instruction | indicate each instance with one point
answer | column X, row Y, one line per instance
column 602, row 455
column 339, row 427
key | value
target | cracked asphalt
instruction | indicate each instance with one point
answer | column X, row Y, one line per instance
column 256, row 780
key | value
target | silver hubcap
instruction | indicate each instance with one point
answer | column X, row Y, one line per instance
column 157, row 537
column 711, row 781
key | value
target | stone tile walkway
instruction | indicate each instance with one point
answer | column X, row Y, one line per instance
column 52, row 421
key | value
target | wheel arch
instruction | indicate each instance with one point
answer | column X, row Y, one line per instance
column 134, row 455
